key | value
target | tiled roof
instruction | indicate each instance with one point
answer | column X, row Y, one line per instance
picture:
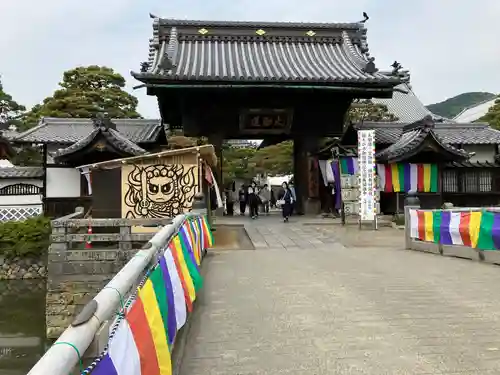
column 71, row 130
column 413, row 139
column 406, row 106
column 260, row 52
column 112, row 136
column 473, row 164
column 456, row 134
column 21, row 172
column 475, row 112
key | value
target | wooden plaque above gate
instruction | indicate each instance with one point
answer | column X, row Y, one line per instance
column 265, row 121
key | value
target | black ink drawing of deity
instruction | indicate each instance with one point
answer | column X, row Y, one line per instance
column 158, row 191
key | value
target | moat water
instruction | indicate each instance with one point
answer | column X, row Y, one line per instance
column 22, row 325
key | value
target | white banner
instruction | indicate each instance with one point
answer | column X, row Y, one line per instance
column 367, row 174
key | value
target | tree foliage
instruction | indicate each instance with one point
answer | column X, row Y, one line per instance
column 492, row 117
column 85, row 92
column 366, row 110
column 453, row 106
column 10, row 110
column 238, row 163
column 275, row 160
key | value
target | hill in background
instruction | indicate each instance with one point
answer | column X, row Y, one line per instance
column 453, row 106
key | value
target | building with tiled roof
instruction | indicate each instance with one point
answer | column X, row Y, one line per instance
column 406, row 106
column 70, row 142
column 467, row 155
column 20, row 187
column 183, row 51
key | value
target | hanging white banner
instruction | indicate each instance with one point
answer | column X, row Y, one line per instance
column 86, row 172
column 366, row 176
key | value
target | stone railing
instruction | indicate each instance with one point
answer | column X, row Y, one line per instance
column 167, row 267
column 471, row 233
column 80, row 264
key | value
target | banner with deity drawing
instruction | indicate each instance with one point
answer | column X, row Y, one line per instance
column 367, row 186
column 158, row 189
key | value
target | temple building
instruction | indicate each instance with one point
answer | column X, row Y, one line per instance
column 20, row 187
column 71, row 142
column 272, row 81
column 439, row 159
column 262, row 80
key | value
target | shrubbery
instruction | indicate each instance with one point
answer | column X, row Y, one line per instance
column 30, row 237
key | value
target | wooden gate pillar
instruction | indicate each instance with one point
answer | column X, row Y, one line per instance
column 304, row 177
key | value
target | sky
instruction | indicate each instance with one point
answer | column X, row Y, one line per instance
column 449, row 46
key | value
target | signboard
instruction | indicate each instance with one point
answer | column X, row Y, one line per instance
column 265, row 121
column 367, row 174
column 157, row 190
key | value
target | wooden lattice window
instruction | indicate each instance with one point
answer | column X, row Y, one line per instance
column 450, row 181
column 477, row 181
column 20, row 189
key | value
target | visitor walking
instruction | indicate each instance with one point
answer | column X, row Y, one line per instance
column 293, row 208
column 253, row 200
column 273, row 199
column 332, row 199
column 286, row 201
column 265, row 198
column 230, row 202
column 242, row 197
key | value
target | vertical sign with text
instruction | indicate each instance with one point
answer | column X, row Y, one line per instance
column 366, row 160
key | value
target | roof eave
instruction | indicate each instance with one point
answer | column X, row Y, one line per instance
column 453, row 153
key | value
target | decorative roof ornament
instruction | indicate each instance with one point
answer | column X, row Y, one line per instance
column 102, row 122
column 365, row 18
column 145, row 66
column 370, row 67
column 396, row 67
column 165, row 63
column 260, row 32
column 404, row 75
column 203, row 31
column 310, row 33
column 151, row 15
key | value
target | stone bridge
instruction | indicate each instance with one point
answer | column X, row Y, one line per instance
column 327, row 299
column 312, row 296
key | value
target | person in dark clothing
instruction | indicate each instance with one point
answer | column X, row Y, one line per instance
column 332, row 198
column 242, row 197
column 253, row 200
column 229, row 202
column 286, row 198
column 273, row 199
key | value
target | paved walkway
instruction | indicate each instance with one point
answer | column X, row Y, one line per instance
column 324, row 300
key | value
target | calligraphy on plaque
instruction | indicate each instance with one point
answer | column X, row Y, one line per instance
column 265, row 121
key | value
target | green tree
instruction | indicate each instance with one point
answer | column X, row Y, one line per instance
column 10, row 110
column 238, row 163
column 492, row 117
column 11, row 113
column 275, row 160
column 84, row 92
column 366, row 110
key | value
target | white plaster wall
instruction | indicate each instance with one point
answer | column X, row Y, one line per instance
column 483, row 152
column 63, row 183
column 20, row 200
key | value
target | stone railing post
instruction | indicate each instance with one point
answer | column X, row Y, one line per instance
column 411, row 202
column 56, row 307
column 125, row 232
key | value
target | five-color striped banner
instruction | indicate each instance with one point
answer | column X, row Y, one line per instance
column 143, row 340
column 476, row 229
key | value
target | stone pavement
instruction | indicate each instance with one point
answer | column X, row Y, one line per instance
column 303, row 303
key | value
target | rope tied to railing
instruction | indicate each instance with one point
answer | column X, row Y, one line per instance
column 120, row 312
column 80, row 361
